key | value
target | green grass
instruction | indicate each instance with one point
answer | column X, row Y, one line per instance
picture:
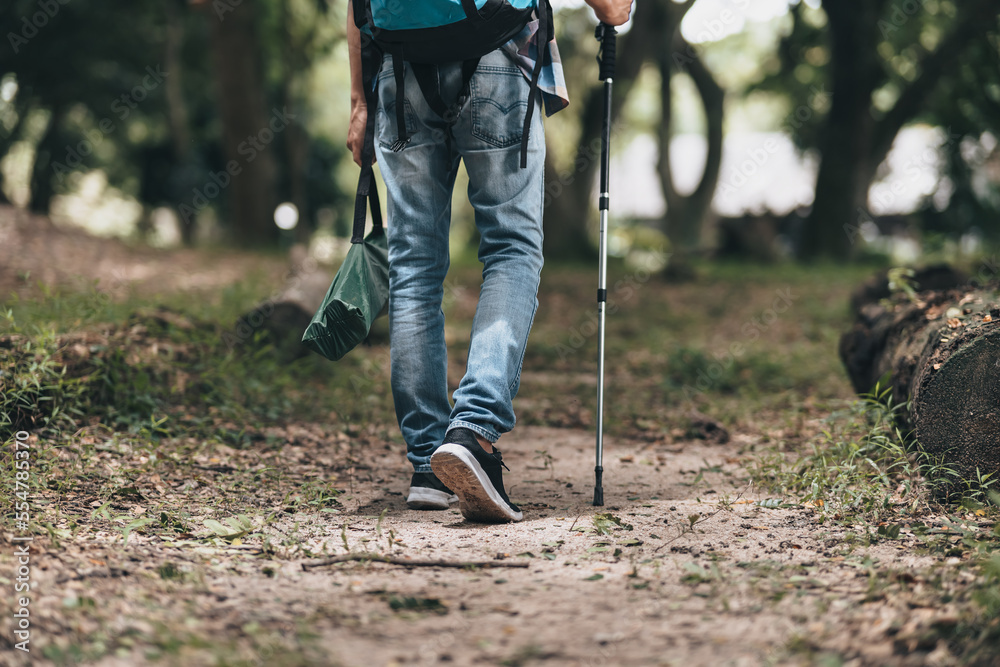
column 65, row 364
column 864, row 466
column 863, row 471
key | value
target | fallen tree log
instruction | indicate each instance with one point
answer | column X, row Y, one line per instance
column 941, row 351
column 285, row 314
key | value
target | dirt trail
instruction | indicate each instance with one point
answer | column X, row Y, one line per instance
column 746, row 586
column 656, row 592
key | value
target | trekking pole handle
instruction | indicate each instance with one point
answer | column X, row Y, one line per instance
column 607, row 36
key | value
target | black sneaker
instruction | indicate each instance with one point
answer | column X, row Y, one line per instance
column 475, row 476
column 428, row 493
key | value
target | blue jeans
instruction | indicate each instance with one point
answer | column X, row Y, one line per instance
column 486, row 133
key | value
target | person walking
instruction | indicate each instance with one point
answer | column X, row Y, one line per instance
column 482, row 117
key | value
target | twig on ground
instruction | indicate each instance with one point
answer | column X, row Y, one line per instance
column 407, row 562
column 95, row 573
column 703, row 519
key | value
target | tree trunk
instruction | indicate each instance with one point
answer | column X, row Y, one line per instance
column 294, row 60
column 845, row 170
column 569, row 193
column 49, row 148
column 941, row 351
column 248, row 130
column 177, row 112
column 686, row 213
column 286, row 314
column 855, row 138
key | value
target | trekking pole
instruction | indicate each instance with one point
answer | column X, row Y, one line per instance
column 606, row 35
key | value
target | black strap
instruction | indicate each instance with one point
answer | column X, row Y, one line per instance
column 471, row 11
column 430, row 85
column 429, row 79
column 490, row 7
column 543, row 37
column 362, row 12
column 367, row 193
column 399, row 72
column 468, row 69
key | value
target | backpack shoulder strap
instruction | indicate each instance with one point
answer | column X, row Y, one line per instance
column 371, row 57
column 545, row 34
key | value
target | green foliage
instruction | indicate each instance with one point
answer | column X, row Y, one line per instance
column 145, row 375
column 606, row 523
column 34, row 387
column 901, row 281
column 988, row 596
column 131, row 90
column 863, row 465
column 411, row 603
column 233, row 528
column 884, row 46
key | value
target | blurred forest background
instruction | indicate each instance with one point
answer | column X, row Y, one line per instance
column 764, row 129
column 778, row 152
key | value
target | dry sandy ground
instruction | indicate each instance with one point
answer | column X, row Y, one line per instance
column 747, row 585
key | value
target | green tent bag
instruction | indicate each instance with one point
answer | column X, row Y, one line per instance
column 359, row 293
column 360, row 290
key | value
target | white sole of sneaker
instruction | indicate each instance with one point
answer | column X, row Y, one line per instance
column 459, row 470
column 423, row 498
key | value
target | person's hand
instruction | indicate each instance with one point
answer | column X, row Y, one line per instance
column 612, row 12
column 356, row 131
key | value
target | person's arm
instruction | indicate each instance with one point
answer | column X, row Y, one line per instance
column 612, row 12
column 359, row 106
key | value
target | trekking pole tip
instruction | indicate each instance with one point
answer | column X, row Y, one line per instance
column 598, row 486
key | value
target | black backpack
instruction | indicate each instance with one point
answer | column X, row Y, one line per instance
column 434, row 32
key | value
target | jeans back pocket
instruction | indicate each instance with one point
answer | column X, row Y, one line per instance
column 499, row 102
